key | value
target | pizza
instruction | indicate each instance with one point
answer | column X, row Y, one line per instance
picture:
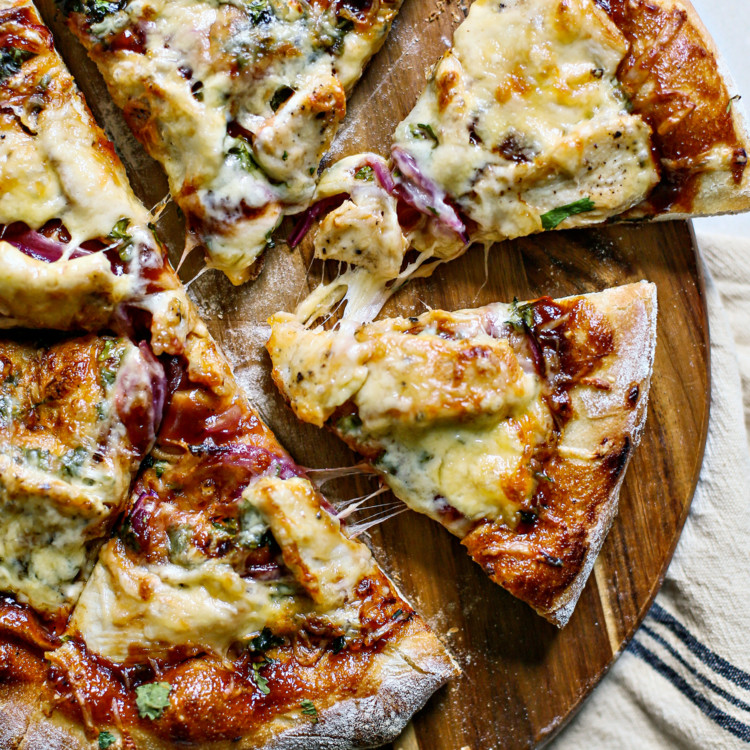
column 239, row 101
column 169, row 575
column 543, row 114
column 511, row 425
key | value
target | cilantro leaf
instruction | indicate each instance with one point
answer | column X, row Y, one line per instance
column 11, row 60
column 152, row 698
column 106, row 739
column 280, row 96
column 556, row 216
column 260, row 681
column 364, row 173
column 308, row 709
column 242, row 153
column 423, row 131
column 265, row 641
column 521, row 316
column 122, row 238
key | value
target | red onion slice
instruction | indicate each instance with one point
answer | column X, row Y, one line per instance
column 39, row 247
column 302, row 227
column 422, row 193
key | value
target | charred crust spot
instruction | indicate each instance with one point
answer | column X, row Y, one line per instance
column 615, row 461
column 633, row 394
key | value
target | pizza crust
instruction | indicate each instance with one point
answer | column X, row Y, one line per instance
column 632, row 363
column 590, row 464
column 400, row 681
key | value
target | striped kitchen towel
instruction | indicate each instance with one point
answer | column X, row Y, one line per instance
column 684, row 680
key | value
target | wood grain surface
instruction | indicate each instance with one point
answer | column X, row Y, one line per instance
column 522, row 678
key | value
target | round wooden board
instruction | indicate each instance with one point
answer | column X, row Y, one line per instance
column 522, row 678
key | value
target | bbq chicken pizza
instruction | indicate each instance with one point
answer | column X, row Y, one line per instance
column 169, row 574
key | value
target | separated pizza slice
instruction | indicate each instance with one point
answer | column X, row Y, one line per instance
column 239, row 101
column 230, row 608
column 544, row 114
column 512, row 425
column 77, row 249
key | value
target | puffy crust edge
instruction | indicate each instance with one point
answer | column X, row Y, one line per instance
column 626, row 423
column 631, row 312
column 400, row 681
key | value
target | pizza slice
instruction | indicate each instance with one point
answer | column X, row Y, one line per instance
column 230, row 608
column 78, row 250
column 544, row 114
column 76, row 418
column 238, row 101
column 512, row 425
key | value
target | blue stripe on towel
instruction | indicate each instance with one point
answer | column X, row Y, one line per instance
column 724, row 720
column 705, row 680
column 705, row 654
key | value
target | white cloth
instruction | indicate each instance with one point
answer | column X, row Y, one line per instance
column 684, row 681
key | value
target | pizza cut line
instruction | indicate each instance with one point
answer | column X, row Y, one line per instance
column 543, row 114
column 169, row 573
column 511, row 425
column 238, row 101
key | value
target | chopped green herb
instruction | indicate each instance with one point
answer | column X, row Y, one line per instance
column 123, row 239
column 284, row 156
column 109, row 357
column 11, row 60
column 349, row 424
column 364, row 173
column 424, row 131
column 259, row 12
column 433, row 210
column 397, row 614
column 343, row 27
column 226, row 525
column 339, row 644
column 152, row 699
column 733, row 99
column 264, row 641
column 308, row 709
column 106, row 739
column 527, row 516
column 543, row 476
column 261, row 681
column 98, row 10
column 521, row 316
column 101, row 411
column 311, row 170
column 65, row 638
column 557, row 215
column 280, row 96
column 242, row 153
column 73, row 461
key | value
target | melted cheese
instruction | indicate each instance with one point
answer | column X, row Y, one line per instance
column 364, row 231
column 57, row 165
column 60, row 485
column 276, row 68
column 528, row 117
column 153, row 607
column 453, row 419
column 128, row 607
column 325, row 562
